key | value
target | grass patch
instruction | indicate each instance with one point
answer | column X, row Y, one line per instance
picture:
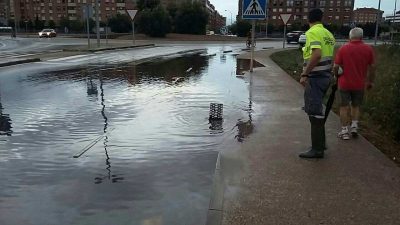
column 380, row 118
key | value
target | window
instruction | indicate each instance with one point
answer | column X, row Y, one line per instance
column 337, row 10
column 322, row 3
column 274, row 10
column 274, row 17
column 305, row 9
column 330, row 10
column 280, row 10
column 337, row 17
column 338, row 3
column 305, row 17
column 289, row 10
column 289, row 3
column 306, row 3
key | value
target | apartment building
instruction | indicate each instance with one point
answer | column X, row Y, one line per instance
column 367, row 15
column 335, row 11
column 55, row 10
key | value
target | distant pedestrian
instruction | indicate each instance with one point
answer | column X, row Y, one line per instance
column 316, row 77
column 357, row 61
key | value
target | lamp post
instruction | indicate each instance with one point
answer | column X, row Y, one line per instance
column 378, row 20
column 231, row 17
column 394, row 19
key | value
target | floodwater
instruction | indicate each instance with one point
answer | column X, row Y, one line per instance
column 128, row 144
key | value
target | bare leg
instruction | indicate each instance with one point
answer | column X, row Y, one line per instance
column 344, row 118
column 355, row 113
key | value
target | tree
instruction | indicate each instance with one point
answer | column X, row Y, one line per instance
column 39, row 25
column 147, row 4
column 172, row 9
column 64, row 22
column 191, row 18
column 154, row 22
column 120, row 23
column 51, row 24
column 243, row 27
column 76, row 25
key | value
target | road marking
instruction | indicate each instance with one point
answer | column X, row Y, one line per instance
column 67, row 58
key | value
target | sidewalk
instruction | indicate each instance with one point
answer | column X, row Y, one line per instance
column 265, row 182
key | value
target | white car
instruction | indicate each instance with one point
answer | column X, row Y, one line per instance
column 302, row 39
column 47, row 33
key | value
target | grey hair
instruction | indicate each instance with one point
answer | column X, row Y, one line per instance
column 356, row 33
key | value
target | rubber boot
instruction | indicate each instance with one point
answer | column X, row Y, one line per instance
column 317, row 139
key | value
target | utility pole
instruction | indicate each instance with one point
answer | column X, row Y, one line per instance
column 97, row 23
column 394, row 19
column 378, row 21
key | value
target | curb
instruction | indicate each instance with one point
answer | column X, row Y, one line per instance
column 107, row 49
column 214, row 213
column 19, row 62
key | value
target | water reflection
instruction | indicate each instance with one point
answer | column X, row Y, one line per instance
column 243, row 65
column 114, row 178
column 5, row 122
column 245, row 128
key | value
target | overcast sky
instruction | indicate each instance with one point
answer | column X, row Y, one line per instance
column 232, row 6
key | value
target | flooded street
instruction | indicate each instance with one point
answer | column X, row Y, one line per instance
column 120, row 144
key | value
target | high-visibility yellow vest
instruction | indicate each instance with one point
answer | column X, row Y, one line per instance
column 319, row 37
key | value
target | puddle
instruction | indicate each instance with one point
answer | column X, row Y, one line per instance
column 243, row 66
column 143, row 143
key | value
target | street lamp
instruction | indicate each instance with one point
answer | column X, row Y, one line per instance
column 378, row 20
column 231, row 15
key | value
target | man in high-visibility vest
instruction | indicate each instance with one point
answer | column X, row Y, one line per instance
column 316, row 77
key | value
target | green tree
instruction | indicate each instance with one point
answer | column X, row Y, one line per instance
column 120, row 23
column 172, row 9
column 154, row 22
column 191, row 18
column 51, row 24
column 64, row 22
column 76, row 25
column 147, row 4
column 39, row 24
column 243, row 27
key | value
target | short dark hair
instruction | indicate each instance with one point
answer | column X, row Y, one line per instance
column 315, row 15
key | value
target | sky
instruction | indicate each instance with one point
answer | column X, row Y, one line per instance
column 226, row 7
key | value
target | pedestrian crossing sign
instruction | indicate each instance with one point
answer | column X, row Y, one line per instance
column 254, row 9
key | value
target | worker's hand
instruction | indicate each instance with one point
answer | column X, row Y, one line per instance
column 303, row 80
column 369, row 85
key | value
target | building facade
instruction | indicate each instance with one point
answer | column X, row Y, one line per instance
column 335, row 11
column 55, row 10
column 367, row 15
column 392, row 18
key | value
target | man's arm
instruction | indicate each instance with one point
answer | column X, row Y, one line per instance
column 336, row 70
column 314, row 60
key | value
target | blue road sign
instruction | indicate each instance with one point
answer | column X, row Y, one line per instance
column 254, row 9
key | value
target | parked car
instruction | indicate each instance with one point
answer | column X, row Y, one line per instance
column 302, row 40
column 47, row 33
column 293, row 36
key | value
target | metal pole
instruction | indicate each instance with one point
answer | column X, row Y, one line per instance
column 253, row 31
column 284, row 35
column 97, row 23
column 378, row 20
column 87, row 25
column 133, row 32
column 266, row 28
column 107, row 33
column 394, row 19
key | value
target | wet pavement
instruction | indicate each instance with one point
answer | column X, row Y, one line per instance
column 117, row 143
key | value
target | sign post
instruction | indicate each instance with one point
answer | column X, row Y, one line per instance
column 88, row 13
column 285, row 18
column 132, row 13
column 254, row 10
